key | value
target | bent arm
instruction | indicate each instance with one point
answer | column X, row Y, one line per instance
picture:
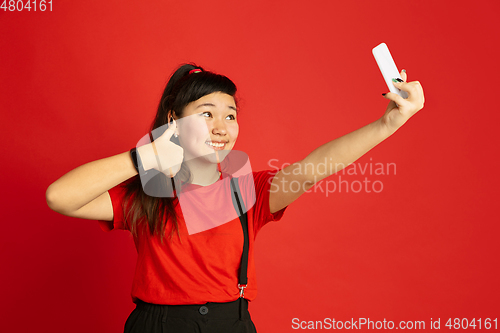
column 82, row 185
column 83, row 192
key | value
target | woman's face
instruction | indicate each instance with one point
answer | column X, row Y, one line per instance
column 207, row 125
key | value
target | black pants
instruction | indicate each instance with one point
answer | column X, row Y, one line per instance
column 232, row 317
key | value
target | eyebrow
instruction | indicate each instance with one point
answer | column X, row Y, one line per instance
column 211, row 104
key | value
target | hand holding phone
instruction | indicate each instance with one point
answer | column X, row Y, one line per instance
column 388, row 68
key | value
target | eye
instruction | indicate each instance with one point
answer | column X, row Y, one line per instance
column 231, row 117
column 206, row 114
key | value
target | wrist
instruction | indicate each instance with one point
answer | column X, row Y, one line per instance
column 386, row 128
column 147, row 156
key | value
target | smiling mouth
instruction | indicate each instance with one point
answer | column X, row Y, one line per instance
column 216, row 145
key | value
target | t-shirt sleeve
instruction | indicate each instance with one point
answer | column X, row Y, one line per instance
column 262, row 213
column 116, row 194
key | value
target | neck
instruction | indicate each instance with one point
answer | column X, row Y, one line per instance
column 203, row 174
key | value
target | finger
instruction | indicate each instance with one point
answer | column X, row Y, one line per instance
column 403, row 75
column 174, row 123
column 414, row 89
column 170, row 130
column 395, row 98
column 405, row 86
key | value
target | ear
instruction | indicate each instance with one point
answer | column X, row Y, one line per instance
column 171, row 114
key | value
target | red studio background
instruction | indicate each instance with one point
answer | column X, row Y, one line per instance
column 81, row 83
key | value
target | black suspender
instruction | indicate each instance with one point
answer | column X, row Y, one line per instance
column 236, row 195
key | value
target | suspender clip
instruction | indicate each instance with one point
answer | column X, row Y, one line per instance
column 242, row 289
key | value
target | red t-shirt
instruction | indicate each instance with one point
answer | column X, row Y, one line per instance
column 200, row 267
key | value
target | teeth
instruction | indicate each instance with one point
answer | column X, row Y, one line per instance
column 213, row 144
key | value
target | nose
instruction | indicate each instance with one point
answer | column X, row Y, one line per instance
column 219, row 127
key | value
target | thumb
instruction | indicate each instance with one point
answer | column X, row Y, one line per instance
column 170, row 130
column 394, row 97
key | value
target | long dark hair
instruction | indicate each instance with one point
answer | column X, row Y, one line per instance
column 182, row 88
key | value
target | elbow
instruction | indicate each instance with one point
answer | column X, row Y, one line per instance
column 51, row 199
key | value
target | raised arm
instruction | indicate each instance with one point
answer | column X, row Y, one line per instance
column 341, row 152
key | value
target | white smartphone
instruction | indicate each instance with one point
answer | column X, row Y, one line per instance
column 388, row 68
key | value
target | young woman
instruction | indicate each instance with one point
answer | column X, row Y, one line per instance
column 186, row 197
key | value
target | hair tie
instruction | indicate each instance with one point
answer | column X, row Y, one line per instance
column 196, row 70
